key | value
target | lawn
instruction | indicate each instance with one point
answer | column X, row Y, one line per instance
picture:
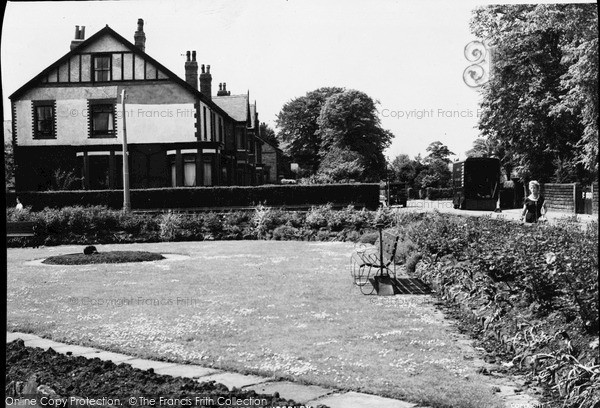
column 284, row 309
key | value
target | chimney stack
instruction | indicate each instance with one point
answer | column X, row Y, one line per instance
column 223, row 90
column 79, row 37
column 206, row 82
column 191, row 70
column 140, row 36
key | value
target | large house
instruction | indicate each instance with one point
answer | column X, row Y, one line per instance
column 69, row 120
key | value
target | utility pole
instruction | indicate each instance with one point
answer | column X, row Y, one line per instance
column 126, row 200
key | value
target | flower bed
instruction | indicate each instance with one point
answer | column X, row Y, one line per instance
column 35, row 373
column 100, row 225
column 530, row 293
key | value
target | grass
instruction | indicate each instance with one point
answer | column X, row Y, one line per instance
column 283, row 309
column 103, row 257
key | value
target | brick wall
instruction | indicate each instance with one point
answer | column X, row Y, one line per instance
column 565, row 198
column 595, row 198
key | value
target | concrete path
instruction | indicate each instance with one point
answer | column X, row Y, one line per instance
column 514, row 214
column 309, row 395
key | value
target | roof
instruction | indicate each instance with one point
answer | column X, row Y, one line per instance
column 235, row 105
column 107, row 30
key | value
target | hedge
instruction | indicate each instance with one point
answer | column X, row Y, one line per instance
column 439, row 193
column 361, row 195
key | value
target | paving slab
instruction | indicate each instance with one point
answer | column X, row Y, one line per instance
column 144, row 364
column 289, row 390
column 235, row 380
column 186, row 370
column 75, row 350
column 12, row 336
column 359, row 400
column 43, row 343
column 108, row 356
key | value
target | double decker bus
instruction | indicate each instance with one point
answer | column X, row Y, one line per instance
column 476, row 183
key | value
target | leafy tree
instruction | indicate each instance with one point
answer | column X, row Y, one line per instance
column 405, row 169
column 267, row 134
column 349, row 122
column 298, row 127
column 436, row 174
column 341, row 165
column 540, row 104
column 9, row 165
column 438, row 151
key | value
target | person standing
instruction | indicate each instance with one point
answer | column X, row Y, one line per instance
column 19, row 205
column 534, row 207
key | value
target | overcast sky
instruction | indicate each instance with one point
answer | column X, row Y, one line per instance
column 408, row 55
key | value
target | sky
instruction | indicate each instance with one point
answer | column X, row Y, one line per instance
column 408, row 55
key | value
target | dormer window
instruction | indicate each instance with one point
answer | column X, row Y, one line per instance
column 102, row 68
column 43, row 120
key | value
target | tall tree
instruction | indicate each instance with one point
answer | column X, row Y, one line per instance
column 438, row 151
column 298, row 127
column 405, row 169
column 541, row 97
column 349, row 121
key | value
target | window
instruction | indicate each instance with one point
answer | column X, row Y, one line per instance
column 102, row 118
column 43, row 120
column 204, row 122
column 102, row 68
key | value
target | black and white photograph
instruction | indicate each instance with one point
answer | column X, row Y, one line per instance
column 301, row 204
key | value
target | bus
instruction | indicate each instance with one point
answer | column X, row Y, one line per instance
column 476, row 183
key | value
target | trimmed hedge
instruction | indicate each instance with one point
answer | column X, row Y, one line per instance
column 363, row 195
column 439, row 193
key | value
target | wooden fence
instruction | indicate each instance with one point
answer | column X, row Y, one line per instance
column 565, row 198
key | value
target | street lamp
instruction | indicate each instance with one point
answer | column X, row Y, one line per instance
column 126, row 198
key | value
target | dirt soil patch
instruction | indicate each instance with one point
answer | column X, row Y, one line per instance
column 95, row 379
column 104, row 257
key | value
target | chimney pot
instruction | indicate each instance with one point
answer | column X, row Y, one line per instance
column 79, row 36
column 191, row 70
column 206, row 81
column 140, row 36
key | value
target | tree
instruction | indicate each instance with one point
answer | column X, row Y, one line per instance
column 267, row 134
column 349, row 122
column 341, row 165
column 405, row 169
column 540, row 104
column 438, row 151
column 9, row 165
column 298, row 127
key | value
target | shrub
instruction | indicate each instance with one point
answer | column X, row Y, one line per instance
column 317, row 217
column 169, row 226
column 286, row 233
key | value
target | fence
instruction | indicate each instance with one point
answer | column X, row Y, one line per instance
column 565, row 198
